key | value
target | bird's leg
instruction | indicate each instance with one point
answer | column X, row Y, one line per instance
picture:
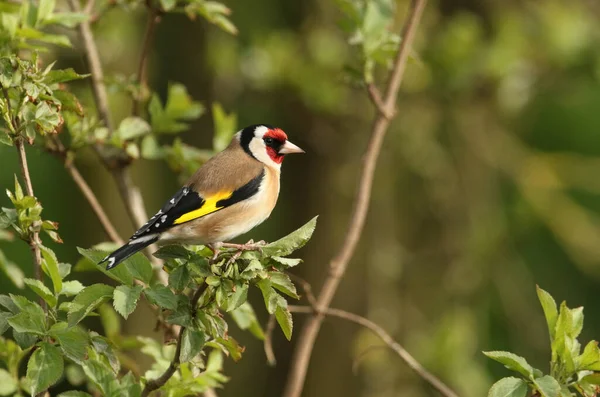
column 216, row 249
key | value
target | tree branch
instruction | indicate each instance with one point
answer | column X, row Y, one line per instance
column 130, row 195
column 153, row 20
column 388, row 340
column 159, row 382
column 34, row 242
column 339, row 263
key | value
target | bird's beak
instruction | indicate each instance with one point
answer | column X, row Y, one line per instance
column 288, row 147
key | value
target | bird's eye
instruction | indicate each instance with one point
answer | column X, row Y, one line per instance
column 269, row 141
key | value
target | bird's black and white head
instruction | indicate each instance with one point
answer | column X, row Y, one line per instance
column 266, row 144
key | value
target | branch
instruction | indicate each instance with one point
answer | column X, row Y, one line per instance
column 129, row 193
column 388, row 340
column 164, row 378
column 339, row 263
column 34, row 242
column 153, row 20
column 109, row 229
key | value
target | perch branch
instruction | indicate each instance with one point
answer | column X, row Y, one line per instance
column 339, row 263
column 388, row 340
column 159, row 382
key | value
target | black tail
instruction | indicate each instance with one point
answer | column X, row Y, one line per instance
column 127, row 250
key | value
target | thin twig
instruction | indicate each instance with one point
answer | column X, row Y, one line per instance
column 159, row 382
column 34, row 242
column 339, row 263
column 268, row 343
column 388, row 340
column 153, row 20
column 87, row 191
column 129, row 193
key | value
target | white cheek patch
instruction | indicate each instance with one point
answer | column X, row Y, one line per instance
column 259, row 151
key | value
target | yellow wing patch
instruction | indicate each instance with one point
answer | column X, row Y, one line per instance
column 210, row 205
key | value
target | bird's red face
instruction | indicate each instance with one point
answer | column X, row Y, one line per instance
column 267, row 144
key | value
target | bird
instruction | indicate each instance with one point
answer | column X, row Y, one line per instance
column 229, row 195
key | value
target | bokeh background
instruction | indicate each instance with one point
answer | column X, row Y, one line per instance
column 488, row 183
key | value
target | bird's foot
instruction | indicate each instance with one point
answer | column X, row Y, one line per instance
column 249, row 246
column 216, row 249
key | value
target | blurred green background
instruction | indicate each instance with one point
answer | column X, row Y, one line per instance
column 489, row 181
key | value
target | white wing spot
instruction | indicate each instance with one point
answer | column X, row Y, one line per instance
column 163, row 219
column 185, row 191
column 111, row 262
column 157, row 224
column 172, row 201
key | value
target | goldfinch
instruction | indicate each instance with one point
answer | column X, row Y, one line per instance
column 230, row 194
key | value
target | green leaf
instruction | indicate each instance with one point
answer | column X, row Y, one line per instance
column 191, row 344
column 87, row 301
column 272, row 299
column 44, row 367
column 180, row 104
column 24, row 340
column 68, row 101
column 182, row 315
column 282, row 282
column 8, row 384
column 71, row 288
column 110, row 320
column 161, row 296
column 67, row 19
column 4, row 322
column 512, row 362
column 284, row 319
column 136, row 266
column 547, row 386
column 237, row 297
column 590, row 358
column 102, row 376
column 73, row 341
column 172, row 252
column 63, row 76
column 45, row 8
column 29, row 321
column 232, row 347
column 245, row 318
column 577, row 316
column 225, row 127
column 41, row 290
column 287, row 262
column 74, row 393
column 509, row 387
column 125, row 299
column 12, row 271
column 292, row 241
column 179, row 278
column 133, row 127
column 50, row 266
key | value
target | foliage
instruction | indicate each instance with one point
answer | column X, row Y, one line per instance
column 571, row 370
column 44, row 343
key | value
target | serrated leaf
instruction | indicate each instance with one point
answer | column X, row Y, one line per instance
column 237, row 297
column 31, row 319
column 4, row 321
column 161, row 296
column 191, row 344
column 44, row 367
column 292, row 241
column 87, row 301
column 102, row 376
column 245, row 318
column 73, row 341
column 547, row 386
column 173, row 251
column 125, row 299
column 41, row 290
column 287, row 262
column 68, row 101
column 509, row 387
column 50, row 266
column 284, row 319
column 179, row 278
column 63, row 76
column 512, row 362
column 272, row 299
column 282, row 282
column 136, row 266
